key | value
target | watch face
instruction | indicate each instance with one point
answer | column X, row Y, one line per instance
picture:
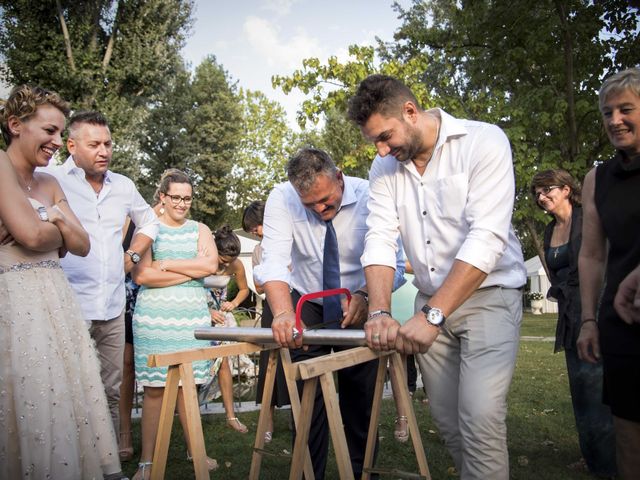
column 434, row 315
column 42, row 213
column 135, row 258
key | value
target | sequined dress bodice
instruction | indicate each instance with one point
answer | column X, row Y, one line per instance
column 15, row 254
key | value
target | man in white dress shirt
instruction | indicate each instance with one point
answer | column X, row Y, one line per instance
column 102, row 200
column 448, row 186
column 298, row 215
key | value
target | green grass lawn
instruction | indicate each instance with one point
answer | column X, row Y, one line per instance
column 541, row 431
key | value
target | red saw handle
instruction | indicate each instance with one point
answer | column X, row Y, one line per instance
column 314, row 295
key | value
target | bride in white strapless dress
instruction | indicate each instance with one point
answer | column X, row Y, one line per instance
column 54, row 420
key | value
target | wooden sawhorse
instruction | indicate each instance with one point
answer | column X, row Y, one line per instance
column 181, row 371
column 321, row 369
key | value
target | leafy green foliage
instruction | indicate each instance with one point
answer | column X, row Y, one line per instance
column 196, row 127
column 265, row 145
column 532, row 68
column 110, row 55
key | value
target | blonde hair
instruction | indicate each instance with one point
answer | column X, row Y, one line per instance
column 628, row 79
column 169, row 176
column 23, row 102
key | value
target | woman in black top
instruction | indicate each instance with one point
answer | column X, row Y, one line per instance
column 558, row 193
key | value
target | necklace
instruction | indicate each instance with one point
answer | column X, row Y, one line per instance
column 28, row 185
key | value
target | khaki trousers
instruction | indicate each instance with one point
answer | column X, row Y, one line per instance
column 109, row 338
column 467, row 373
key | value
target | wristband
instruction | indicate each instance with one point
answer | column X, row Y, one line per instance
column 282, row 313
column 378, row 313
column 363, row 294
column 587, row 320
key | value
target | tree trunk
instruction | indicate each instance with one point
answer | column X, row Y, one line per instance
column 112, row 38
column 561, row 7
column 531, row 227
column 67, row 39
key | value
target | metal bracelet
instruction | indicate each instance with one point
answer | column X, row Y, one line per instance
column 378, row 313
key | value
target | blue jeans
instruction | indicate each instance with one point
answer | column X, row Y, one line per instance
column 593, row 418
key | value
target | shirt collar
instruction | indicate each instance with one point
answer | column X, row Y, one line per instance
column 348, row 194
column 70, row 166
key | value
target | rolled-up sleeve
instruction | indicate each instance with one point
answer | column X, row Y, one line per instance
column 143, row 216
column 277, row 240
column 490, row 202
column 381, row 242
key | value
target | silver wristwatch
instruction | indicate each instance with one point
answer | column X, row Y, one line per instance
column 433, row 315
column 135, row 258
column 42, row 213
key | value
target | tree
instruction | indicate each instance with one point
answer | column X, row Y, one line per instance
column 196, row 127
column 265, row 146
column 111, row 55
column 533, row 68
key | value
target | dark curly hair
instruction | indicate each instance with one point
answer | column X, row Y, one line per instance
column 227, row 242
column 379, row 94
column 253, row 216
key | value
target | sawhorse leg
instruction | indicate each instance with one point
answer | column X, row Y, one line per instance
column 397, row 365
column 175, row 373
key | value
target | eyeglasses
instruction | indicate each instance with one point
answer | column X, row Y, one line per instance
column 545, row 191
column 176, row 199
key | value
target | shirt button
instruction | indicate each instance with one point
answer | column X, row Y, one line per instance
column 433, row 269
column 428, row 242
column 424, row 212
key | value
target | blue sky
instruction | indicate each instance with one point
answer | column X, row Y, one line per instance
column 255, row 39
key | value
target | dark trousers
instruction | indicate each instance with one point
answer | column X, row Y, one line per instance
column 593, row 418
column 355, row 388
column 412, row 373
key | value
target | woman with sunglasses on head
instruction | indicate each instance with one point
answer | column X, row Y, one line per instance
column 54, row 419
column 171, row 304
column 558, row 193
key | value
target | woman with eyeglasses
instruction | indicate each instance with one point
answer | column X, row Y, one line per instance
column 171, row 304
column 558, row 193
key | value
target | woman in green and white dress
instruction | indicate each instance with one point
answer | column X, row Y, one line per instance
column 171, row 303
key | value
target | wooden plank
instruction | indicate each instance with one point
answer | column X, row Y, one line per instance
column 291, row 375
column 165, row 425
column 303, row 426
column 397, row 364
column 315, row 367
column 336, row 427
column 194, row 422
column 205, row 353
column 267, row 394
column 375, row 417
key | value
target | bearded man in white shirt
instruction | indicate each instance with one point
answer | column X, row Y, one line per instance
column 448, row 186
column 102, row 200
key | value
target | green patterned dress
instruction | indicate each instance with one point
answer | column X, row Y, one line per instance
column 165, row 318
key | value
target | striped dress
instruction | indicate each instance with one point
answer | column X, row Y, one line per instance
column 165, row 318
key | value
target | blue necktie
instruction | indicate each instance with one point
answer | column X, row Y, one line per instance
column 331, row 311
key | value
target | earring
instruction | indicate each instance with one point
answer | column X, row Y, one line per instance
column 162, row 210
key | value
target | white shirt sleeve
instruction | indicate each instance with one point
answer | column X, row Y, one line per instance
column 143, row 216
column 277, row 228
column 490, row 202
column 381, row 242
